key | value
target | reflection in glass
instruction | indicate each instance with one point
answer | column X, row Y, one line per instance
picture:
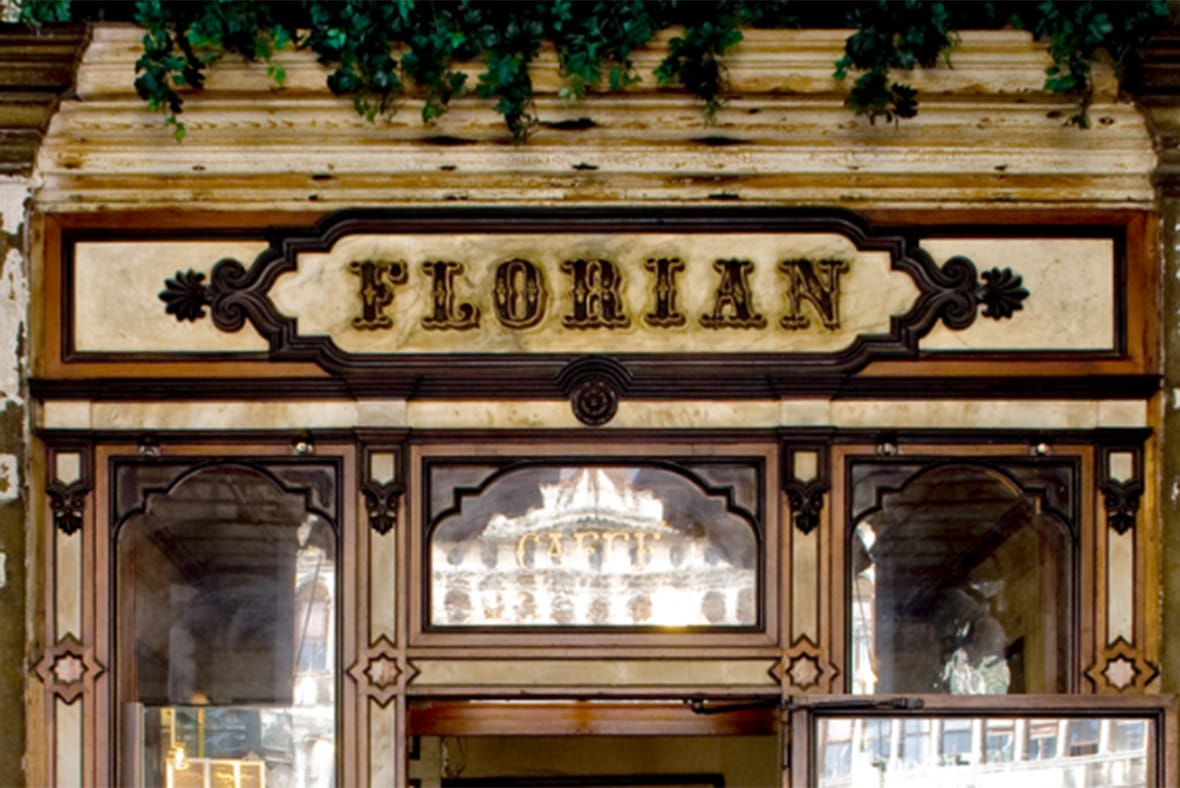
column 226, row 601
column 960, row 583
column 982, row 752
column 544, row 545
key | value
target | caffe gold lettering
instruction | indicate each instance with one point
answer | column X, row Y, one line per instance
column 596, row 298
column 632, row 547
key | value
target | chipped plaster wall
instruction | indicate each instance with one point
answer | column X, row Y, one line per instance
column 14, row 306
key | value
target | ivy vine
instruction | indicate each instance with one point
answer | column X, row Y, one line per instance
column 377, row 50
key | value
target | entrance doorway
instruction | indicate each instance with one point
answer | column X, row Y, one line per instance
column 603, row 743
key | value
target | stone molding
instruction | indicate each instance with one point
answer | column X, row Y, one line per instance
column 987, row 132
column 36, row 69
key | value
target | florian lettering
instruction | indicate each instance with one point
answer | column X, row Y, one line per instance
column 447, row 313
column 733, row 303
column 378, row 280
column 664, row 314
column 818, row 283
column 519, row 294
column 595, row 295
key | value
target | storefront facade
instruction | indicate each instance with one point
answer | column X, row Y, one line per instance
column 788, row 451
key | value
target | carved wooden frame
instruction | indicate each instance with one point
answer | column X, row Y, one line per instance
column 1091, row 652
column 297, row 364
column 591, row 641
column 92, row 655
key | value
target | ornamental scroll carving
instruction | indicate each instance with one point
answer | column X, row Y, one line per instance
column 554, row 300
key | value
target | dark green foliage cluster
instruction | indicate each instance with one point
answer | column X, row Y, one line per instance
column 378, row 47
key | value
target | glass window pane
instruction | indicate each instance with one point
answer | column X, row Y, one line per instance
column 1023, row 750
column 595, row 545
column 226, row 593
column 960, row 582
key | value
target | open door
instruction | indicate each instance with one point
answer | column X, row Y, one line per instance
column 565, row 742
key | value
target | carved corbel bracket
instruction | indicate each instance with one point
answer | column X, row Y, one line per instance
column 1121, row 496
column 381, row 501
column 1122, row 503
column 805, row 490
column 807, row 502
column 68, row 504
column 594, row 386
column 382, row 490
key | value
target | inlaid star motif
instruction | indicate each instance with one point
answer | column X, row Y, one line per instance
column 68, row 668
column 804, row 671
column 382, row 671
column 1120, row 672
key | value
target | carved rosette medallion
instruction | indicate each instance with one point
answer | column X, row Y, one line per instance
column 68, row 667
column 1120, row 667
column 594, row 386
column 67, row 502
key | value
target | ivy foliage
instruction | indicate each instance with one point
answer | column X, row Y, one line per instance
column 377, row 49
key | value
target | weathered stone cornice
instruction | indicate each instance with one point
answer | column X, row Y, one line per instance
column 36, row 69
column 987, row 132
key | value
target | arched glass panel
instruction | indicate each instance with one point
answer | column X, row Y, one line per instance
column 226, row 603
column 960, row 582
column 595, row 545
